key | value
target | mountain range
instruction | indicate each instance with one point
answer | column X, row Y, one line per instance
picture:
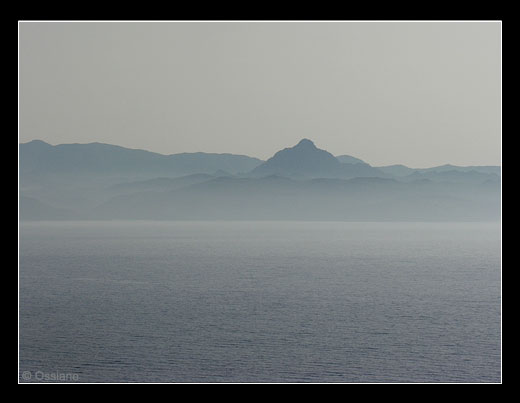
column 303, row 182
column 97, row 158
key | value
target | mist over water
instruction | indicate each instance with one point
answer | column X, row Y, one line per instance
column 224, row 301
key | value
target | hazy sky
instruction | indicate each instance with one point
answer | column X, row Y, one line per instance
column 416, row 93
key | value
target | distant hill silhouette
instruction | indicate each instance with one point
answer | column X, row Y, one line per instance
column 97, row 158
column 396, row 170
column 399, row 170
column 348, row 159
column 453, row 176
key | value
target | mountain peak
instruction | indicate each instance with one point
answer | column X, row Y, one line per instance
column 305, row 143
column 302, row 159
column 37, row 143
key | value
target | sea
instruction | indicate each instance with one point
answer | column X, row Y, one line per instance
column 259, row 302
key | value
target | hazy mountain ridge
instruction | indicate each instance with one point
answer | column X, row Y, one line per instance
column 348, row 159
column 317, row 199
column 453, row 175
column 399, row 170
column 99, row 181
column 98, row 158
column 159, row 184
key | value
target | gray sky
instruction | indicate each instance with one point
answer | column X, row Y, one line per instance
column 416, row 93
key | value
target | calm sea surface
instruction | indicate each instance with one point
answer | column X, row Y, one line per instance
column 259, row 302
